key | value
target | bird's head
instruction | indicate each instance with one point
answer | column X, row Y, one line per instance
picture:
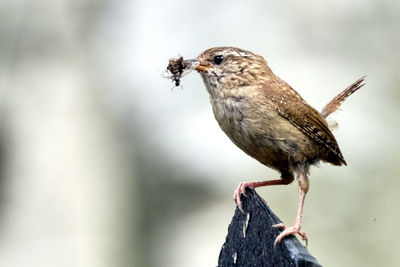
column 230, row 66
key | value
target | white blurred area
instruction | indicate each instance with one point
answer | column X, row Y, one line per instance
column 102, row 164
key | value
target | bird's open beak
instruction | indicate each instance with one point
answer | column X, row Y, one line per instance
column 202, row 67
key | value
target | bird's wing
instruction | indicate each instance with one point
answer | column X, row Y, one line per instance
column 291, row 106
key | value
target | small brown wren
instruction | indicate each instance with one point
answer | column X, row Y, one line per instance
column 269, row 120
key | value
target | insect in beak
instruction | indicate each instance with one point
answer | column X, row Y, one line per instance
column 177, row 68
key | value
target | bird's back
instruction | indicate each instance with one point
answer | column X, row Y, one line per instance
column 292, row 107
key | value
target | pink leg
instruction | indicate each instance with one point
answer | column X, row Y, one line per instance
column 295, row 229
column 241, row 189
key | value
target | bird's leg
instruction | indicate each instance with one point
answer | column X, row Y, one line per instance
column 241, row 189
column 295, row 229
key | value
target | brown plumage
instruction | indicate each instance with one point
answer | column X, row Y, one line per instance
column 334, row 104
column 268, row 119
column 305, row 118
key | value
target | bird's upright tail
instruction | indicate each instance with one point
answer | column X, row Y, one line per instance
column 334, row 104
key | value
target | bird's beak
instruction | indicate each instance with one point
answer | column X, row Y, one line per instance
column 202, row 67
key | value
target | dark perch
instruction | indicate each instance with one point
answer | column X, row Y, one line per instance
column 257, row 247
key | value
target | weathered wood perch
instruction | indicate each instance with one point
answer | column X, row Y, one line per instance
column 250, row 239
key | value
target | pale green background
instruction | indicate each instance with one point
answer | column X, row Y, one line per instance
column 103, row 165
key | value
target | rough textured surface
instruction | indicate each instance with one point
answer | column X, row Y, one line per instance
column 250, row 239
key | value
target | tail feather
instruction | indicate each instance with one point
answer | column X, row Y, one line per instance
column 334, row 104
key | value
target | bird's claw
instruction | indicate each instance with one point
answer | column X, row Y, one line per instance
column 295, row 229
column 241, row 189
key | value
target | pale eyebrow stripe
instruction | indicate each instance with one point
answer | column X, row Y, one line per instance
column 237, row 53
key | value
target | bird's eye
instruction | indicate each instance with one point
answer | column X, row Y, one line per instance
column 218, row 59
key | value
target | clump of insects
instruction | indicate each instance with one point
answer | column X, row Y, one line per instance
column 177, row 68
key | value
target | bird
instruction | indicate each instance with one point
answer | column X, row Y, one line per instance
column 267, row 119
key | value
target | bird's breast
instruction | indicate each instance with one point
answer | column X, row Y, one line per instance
column 257, row 129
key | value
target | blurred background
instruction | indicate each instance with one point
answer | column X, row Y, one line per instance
column 103, row 164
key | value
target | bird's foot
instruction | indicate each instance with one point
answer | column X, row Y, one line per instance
column 295, row 229
column 241, row 189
